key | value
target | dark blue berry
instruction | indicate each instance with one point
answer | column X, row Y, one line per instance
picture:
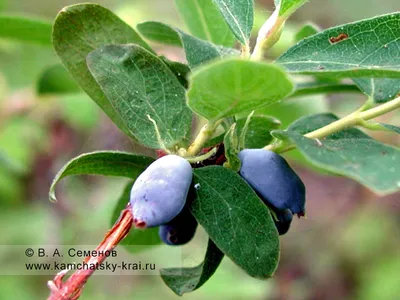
column 180, row 230
column 273, row 179
column 285, row 218
column 159, row 193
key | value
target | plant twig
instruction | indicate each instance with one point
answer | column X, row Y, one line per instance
column 71, row 289
column 204, row 135
column 357, row 118
column 246, row 50
column 200, row 158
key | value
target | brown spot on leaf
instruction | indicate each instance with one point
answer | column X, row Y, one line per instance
column 339, row 38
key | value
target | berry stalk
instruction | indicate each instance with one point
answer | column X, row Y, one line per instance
column 71, row 289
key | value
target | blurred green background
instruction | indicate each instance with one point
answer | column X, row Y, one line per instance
column 347, row 248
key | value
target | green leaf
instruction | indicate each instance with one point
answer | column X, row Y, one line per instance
column 186, row 280
column 205, row 21
column 373, row 164
column 159, row 32
column 237, row 221
column 239, row 15
column 107, row 163
column 140, row 84
column 288, row 7
column 393, row 128
column 306, row 31
column 78, row 30
column 231, row 144
column 145, row 238
column 304, row 118
column 379, row 89
column 231, row 86
column 367, row 48
column 308, row 124
column 24, row 29
column 197, row 51
column 56, row 80
column 180, row 70
column 320, row 87
column 258, row 132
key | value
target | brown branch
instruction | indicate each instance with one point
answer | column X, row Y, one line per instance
column 71, row 289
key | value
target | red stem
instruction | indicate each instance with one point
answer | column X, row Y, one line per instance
column 71, row 289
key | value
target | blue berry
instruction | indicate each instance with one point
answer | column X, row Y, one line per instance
column 180, row 230
column 159, row 193
column 285, row 218
column 273, row 179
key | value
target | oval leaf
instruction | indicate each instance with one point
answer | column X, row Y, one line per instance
column 237, row 221
column 159, row 32
column 205, row 21
column 367, row 48
column 239, row 15
column 232, row 86
column 140, row 84
column 197, row 51
column 107, row 163
column 186, row 280
column 78, row 30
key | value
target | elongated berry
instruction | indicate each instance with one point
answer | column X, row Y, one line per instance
column 273, row 179
column 159, row 193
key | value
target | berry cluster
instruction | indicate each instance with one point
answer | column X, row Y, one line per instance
column 159, row 196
